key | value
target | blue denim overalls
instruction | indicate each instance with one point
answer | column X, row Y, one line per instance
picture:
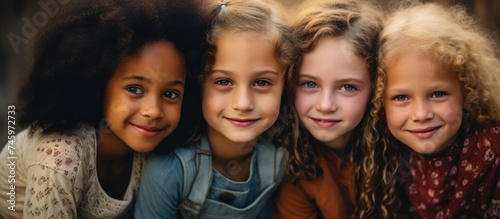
column 198, row 177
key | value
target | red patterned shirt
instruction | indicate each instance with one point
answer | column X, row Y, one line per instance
column 464, row 182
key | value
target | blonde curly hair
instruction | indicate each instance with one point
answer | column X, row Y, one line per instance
column 454, row 41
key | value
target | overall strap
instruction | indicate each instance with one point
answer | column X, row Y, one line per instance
column 197, row 181
column 270, row 161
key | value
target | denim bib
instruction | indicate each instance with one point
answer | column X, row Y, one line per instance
column 198, row 178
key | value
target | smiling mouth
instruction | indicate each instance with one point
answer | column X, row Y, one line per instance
column 242, row 122
column 424, row 133
column 148, row 131
column 325, row 123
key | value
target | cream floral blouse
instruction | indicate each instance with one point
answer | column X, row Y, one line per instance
column 55, row 177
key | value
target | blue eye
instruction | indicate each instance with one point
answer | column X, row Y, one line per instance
column 400, row 98
column 223, row 82
column 309, row 84
column 262, row 83
column 348, row 87
column 171, row 95
column 135, row 90
column 438, row 94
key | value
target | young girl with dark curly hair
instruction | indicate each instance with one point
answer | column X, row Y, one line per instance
column 439, row 107
column 335, row 77
column 106, row 85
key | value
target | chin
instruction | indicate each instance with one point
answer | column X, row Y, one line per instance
column 144, row 150
column 425, row 150
column 241, row 139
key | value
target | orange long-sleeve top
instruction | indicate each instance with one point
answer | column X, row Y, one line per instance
column 330, row 195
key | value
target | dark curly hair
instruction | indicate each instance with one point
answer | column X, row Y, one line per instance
column 80, row 48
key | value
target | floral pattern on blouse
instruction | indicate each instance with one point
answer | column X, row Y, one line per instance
column 462, row 183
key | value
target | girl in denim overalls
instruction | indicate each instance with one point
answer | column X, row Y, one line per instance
column 232, row 167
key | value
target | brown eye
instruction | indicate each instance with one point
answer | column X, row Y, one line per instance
column 262, row 83
column 135, row 90
column 171, row 95
column 223, row 82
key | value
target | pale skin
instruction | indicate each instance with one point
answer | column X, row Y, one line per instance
column 423, row 104
column 333, row 91
column 142, row 106
column 240, row 99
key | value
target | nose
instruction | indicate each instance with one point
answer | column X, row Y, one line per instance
column 326, row 102
column 421, row 111
column 243, row 99
column 151, row 108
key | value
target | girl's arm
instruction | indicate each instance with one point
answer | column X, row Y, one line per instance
column 49, row 194
column 293, row 202
column 160, row 190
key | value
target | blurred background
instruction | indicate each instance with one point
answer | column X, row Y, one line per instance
column 21, row 19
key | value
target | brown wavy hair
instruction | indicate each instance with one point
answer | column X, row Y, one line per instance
column 360, row 22
column 451, row 39
column 263, row 17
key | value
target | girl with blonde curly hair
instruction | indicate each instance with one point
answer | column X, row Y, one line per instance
column 438, row 105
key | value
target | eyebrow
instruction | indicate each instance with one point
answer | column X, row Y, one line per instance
column 147, row 80
column 263, row 72
column 339, row 81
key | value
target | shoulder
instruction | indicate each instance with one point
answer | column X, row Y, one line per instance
column 267, row 147
column 66, row 153
column 483, row 144
column 163, row 166
column 162, row 174
column 488, row 137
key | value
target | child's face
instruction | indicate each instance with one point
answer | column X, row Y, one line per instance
column 242, row 93
column 143, row 98
column 423, row 104
column 333, row 91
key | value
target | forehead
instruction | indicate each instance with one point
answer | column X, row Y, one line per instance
column 156, row 61
column 415, row 70
column 246, row 52
column 333, row 55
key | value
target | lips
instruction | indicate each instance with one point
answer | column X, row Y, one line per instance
column 241, row 122
column 148, row 131
column 424, row 133
column 325, row 123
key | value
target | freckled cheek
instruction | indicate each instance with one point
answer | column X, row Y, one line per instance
column 395, row 117
column 453, row 113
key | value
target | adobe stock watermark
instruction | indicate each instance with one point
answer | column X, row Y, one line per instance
column 11, row 158
column 30, row 27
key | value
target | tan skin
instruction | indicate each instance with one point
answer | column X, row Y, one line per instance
column 239, row 100
column 142, row 106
